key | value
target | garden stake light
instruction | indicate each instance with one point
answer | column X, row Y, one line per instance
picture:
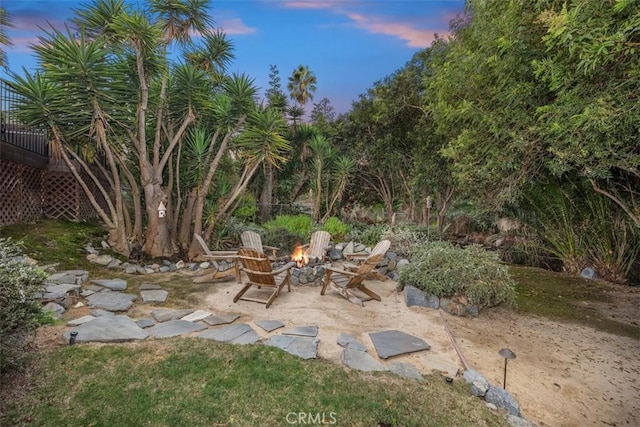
column 507, row 354
column 72, row 337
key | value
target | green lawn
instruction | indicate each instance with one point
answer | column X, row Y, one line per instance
column 197, row 382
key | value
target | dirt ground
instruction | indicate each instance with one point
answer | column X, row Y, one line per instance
column 563, row 374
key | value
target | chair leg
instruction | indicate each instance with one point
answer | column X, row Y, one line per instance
column 369, row 292
column 242, row 291
column 325, row 283
column 272, row 297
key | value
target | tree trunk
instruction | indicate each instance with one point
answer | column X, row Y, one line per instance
column 158, row 241
column 266, row 195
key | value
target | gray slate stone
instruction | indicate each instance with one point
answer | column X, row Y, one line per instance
column 361, row 361
column 174, row 328
column 502, row 399
column 196, row 315
column 86, row 292
column 588, row 273
column 166, row 314
column 472, row 376
column 150, row 287
column 112, row 301
column 304, row 347
column 478, row 389
column 103, row 260
column 406, row 370
column 80, row 320
column 56, row 309
column 63, row 288
column 303, row 331
column 414, row 296
column 220, row 319
column 242, row 333
column 147, row 322
column 113, row 284
column 108, row 329
column 269, row 325
column 349, row 341
column 98, row 312
column 154, row 296
column 515, row 421
column 393, row 343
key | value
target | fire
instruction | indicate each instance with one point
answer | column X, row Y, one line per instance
column 299, row 256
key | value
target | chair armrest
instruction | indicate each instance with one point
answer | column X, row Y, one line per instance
column 331, row 270
column 284, row 268
column 271, row 248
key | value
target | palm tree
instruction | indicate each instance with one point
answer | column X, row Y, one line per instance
column 302, row 85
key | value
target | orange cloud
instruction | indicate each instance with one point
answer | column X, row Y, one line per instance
column 415, row 37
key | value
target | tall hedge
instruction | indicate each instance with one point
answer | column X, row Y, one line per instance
column 19, row 308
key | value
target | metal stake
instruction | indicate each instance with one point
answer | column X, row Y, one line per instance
column 507, row 354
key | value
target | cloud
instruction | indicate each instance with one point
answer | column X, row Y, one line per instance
column 311, row 4
column 235, row 26
column 415, row 37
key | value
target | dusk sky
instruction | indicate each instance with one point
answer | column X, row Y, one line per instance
column 348, row 44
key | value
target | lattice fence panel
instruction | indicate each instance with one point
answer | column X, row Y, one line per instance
column 64, row 198
column 20, row 193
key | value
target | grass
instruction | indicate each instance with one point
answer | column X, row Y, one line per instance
column 562, row 297
column 198, row 382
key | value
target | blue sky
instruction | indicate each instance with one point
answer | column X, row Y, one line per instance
column 348, row 44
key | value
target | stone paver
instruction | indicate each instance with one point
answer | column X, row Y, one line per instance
column 155, row 295
column 112, row 300
column 150, row 287
column 242, row 333
column 80, row 320
column 406, row 370
column 269, row 325
column 303, row 331
column 166, row 314
column 113, row 284
column 108, row 329
column 361, row 361
column 304, row 347
column 349, row 341
column 175, row 327
column 221, row 319
column 393, row 343
column 63, row 288
column 196, row 316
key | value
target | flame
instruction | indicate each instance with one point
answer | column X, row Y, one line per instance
column 299, row 256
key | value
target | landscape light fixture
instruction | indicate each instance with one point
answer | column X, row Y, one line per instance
column 507, row 354
column 72, row 337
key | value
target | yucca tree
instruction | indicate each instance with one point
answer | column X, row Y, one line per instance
column 343, row 171
column 81, row 91
column 262, row 143
column 5, row 22
column 320, row 160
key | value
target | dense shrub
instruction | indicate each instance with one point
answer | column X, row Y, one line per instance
column 283, row 239
column 19, row 310
column 368, row 234
column 339, row 230
column 300, row 225
column 404, row 239
column 441, row 269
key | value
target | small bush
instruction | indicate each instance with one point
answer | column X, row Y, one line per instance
column 247, row 208
column 283, row 239
column 300, row 225
column 338, row 229
column 19, row 310
column 406, row 238
column 369, row 234
column 441, row 269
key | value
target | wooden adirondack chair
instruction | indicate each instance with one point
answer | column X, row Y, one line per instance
column 257, row 267
column 212, row 257
column 347, row 281
column 252, row 240
column 318, row 246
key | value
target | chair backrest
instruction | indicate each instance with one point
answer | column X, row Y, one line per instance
column 251, row 239
column 202, row 243
column 257, row 267
column 318, row 245
column 369, row 264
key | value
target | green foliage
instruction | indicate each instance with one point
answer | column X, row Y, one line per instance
column 368, row 234
column 247, row 208
column 285, row 240
column 406, row 238
column 338, row 229
column 19, row 310
column 299, row 225
column 441, row 269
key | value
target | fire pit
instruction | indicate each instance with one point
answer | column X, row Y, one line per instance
column 308, row 272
